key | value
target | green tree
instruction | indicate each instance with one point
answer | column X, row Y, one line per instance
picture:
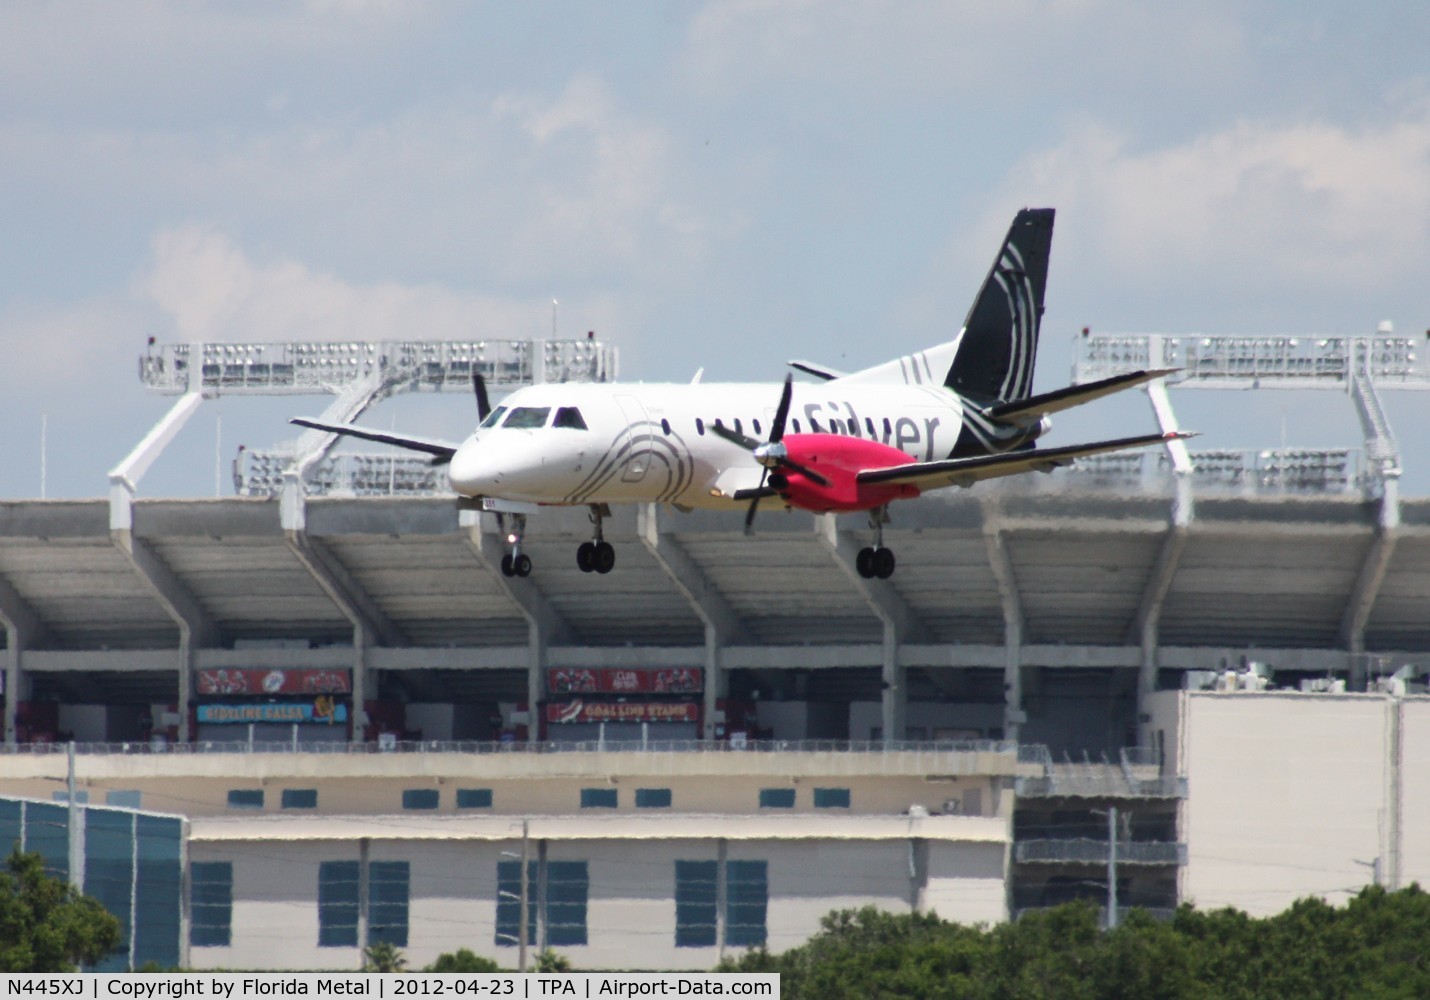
column 384, row 956
column 462, row 960
column 45, row 926
column 550, row 961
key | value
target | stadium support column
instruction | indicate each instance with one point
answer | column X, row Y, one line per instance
column 1146, row 628
column 722, row 625
column 899, row 621
column 545, row 626
column 196, row 629
column 1014, row 715
column 23, row 630
column 370, row 624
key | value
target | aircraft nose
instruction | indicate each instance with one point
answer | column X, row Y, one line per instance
column 488, row 467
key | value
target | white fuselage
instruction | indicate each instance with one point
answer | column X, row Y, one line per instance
column 653, row 443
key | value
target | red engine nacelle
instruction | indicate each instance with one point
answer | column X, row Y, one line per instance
column 838, row 459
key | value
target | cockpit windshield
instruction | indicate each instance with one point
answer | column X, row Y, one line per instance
column 494, row 417
column 527, row 417
column 569, row 416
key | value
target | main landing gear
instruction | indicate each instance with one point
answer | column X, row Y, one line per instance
column 516, row 562
column 876, row 561
column 596, row 556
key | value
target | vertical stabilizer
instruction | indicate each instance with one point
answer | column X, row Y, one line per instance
column 999, row 342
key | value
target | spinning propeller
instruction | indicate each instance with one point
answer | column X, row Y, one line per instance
column 771, row 454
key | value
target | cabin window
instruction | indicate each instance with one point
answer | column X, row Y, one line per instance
column 869, row 425
column 493, row 418
column 665, row 425
column 796, row 425
column 815, row 425
column 528, row 417
column 699, row 427
column 569, row 416
column 738, row 428
column 756, row 424
column 888, row 430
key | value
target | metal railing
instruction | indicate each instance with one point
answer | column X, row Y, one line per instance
column 929, row 747
column 1246, row 471
column 1088, row 851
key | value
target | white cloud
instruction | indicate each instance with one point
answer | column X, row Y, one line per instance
column 211, row 289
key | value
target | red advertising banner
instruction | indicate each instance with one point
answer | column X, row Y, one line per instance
column 272, row 682
column 634, row 680
column 622, row 711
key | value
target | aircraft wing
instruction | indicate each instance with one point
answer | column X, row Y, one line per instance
column 967, row 471
column 1024, row 412
column 441, row 450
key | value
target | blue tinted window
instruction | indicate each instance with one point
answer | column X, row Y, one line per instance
column 653, row 798
column 747, row 896
column 124, row 799
column 300, row 798
column 509, row 902
column 598, row 798
column 695, row 904
column 776, row 798
column 567, row 886
column 245, row 798
column 421, row 798
column 337, row 904
column 388, row 888
column 474, row 798
column 210, row 903
column 831, row 798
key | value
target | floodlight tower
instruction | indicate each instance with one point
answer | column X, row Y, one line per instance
column 1355, row 365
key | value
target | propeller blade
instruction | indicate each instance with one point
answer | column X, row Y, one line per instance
column 734, row 437
column 755, row 504
column 777, row 429
column 479, row 386
column 805, row 471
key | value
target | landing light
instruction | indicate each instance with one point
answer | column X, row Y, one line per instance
column 511, row 539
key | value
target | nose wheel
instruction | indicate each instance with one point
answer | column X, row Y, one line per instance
column 875, row 560
column 516, row 562
column 597, row 555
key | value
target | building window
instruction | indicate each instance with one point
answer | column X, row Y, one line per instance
column 388, row 888
column 509, row 903
column 474, row 798
column 338, row 904
column 747, row 897
column 831, row 798
column 567, row 886
column 300, row 798
column 598, row 798
column 695, row 904
column 421, row 798
column 210, row 903
column 652, row 798
column 80, row 797
column 124, row 799
column 776, row 798
column 245, row 798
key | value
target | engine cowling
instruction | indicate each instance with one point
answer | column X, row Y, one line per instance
column 839, row 459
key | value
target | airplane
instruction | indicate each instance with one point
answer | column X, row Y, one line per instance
column 952, row 415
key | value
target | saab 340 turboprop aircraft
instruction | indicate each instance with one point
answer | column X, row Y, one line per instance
column 952, row 415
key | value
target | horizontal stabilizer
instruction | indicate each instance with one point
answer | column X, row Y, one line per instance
column 817, row 370
column 442, row 451
column 967, row 471
column 1025, row 412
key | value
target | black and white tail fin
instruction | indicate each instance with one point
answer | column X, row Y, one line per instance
column 998, row 346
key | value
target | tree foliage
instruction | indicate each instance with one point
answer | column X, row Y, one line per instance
column 45, row 926
column 462, row 960
column 1376, row 947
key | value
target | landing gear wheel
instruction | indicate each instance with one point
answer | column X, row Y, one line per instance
column 508, row 567
column 883, row 563
column 522, row 565
column 585, row 556
column 603, row 559
column 864, row 562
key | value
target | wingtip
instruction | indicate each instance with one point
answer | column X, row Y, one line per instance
column 1180, row 435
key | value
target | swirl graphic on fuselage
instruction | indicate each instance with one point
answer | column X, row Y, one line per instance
column 645, row 439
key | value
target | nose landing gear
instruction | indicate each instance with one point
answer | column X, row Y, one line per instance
column 597, row 555
column 516, row 562
column 876, row 561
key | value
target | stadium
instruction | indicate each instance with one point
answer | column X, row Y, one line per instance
column 273, row 729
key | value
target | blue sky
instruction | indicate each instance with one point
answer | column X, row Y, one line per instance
column 722, row 184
